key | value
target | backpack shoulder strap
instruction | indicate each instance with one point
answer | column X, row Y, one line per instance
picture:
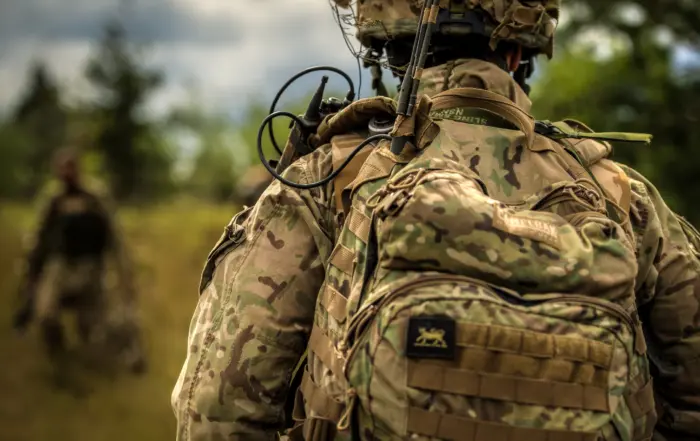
column 341, row 147
column 482, row 105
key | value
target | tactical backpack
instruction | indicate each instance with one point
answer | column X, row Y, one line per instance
column 447, row 314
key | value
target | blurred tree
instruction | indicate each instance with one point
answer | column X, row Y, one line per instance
column 40, row 121
column 126, row 140
column 213, row 168
column 634, row 85
column 635, row 18
column 225, row 165
column 17, row 178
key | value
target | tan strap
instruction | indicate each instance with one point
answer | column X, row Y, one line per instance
column 324, row 349
column 534, row 344
column 642, row 401
column 342, row 258
column 334, row 302
column 510, row 388
column 377, row 166
column 319, row 401
column 457, row 428
column 341, row 148
column 490, row 101
column 359, row 224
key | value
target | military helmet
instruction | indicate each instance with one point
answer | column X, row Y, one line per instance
column 530, row 23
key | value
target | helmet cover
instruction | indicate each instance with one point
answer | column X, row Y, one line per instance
column 530, row 23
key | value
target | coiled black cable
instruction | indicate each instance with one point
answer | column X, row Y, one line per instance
column 324, row 181
column 350, row 96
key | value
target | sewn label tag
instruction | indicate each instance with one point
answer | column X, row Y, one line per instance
column 431, row 337
column 473, row 115
column 529, row 227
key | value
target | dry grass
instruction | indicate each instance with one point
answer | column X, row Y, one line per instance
column 169, row 244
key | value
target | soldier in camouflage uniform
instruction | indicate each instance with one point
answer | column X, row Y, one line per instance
column 280, row 281
column 65, row 269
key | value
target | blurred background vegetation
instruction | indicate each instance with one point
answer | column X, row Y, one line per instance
column 618, row 66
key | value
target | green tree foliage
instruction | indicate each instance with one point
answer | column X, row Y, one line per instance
column 38, row 129
column 635, row 87
column 16, row 176
column 225, row 165
column 137, row 162
column 213, row 167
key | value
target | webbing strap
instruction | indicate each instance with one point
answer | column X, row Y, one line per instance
column 334, row 302
column 319, row 401
column 451, row 427
column 324, row 349
column 507, row 387
column 341, row 147
column 642, row 402
column 489, row 101
column 342, row 258
column 359, row 224
column 534, row 344
column 377, row 166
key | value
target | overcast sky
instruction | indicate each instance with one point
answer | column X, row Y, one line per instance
column 228, row 51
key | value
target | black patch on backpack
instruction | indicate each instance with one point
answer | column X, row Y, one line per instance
column 431, row 337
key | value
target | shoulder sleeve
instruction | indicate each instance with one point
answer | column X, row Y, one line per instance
column 252, row 321
column 668, row 291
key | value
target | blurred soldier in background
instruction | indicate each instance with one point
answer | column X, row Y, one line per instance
column 66, row 270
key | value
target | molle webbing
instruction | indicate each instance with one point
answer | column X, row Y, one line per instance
column 333, row 302
column 520, row 366
column 318, row 401
column 359, row 224
column 451, row 427
column 341, row 147
column 342, row 258
column 642, row 402
column 511, row 388
column 324, row 349
column 377, row 165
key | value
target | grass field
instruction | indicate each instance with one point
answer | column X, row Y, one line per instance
column 168, row 244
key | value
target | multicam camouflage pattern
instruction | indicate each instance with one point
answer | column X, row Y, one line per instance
column 446, row 224
column 276, row 282
column 528, row 22
column 555, row 369
column 563, row 366
column 260, row 299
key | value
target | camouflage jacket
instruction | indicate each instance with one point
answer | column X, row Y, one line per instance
column 276, row 266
